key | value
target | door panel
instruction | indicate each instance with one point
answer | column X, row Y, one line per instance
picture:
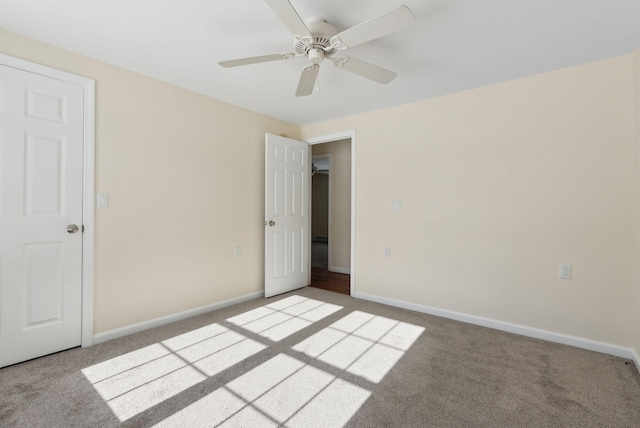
column 297, row 251
column 41, row 151
column 298, row 194
column 44, row 175
column 287, row 226
column 43, row 284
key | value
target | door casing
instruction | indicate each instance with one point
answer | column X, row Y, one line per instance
column 88, row 181
column 350, row 134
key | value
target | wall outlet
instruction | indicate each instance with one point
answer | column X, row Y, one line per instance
column 237, row 252
column 387, row 252
column 396, row 205
column 565, row 271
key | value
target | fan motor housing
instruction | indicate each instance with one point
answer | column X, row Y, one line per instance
column 321, row 32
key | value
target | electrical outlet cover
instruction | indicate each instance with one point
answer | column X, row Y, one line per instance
column 565, row 271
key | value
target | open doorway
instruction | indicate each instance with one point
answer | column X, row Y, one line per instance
column 331, row 216
column 320, row 171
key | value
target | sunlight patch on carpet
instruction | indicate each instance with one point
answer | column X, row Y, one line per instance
column 282, row 390
column 362, row 344
column 139, row 380
column 285, row 317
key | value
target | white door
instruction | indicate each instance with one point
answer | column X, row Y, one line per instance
column 287, row 219
column 41, row 150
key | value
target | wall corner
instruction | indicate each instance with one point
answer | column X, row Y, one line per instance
column 636, row 217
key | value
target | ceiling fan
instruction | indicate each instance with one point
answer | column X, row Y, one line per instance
column 317, row 40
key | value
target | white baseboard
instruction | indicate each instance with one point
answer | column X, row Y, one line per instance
column 636, row 359
column 578, row 342
column 156, row 322
column 340, row 270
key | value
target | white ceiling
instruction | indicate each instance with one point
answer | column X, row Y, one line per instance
column 455, row 45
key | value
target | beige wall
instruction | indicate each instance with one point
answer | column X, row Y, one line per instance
column 185, row 176
column 499, row 186
column 339, row 203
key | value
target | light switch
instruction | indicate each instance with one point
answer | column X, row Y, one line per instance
column 102, row 200
column 396, row 205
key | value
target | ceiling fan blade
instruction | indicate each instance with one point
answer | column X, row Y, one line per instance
column 364, row 69
column 307, row 80
column 289, row 17
column 374, row 28
column 255, row 60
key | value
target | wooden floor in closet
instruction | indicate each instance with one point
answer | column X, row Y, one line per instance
column 331, row 281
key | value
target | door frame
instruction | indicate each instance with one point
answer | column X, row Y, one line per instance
column 350, row 134
column 88, row 181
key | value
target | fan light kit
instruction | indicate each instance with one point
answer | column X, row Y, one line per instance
column 317, row 40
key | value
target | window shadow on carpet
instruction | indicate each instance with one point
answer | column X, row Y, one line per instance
column 310, row 383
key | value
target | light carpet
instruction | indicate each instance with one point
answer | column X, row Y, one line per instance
column 313, row 358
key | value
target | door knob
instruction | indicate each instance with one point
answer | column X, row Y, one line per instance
column 72, row 228
column 272, row 223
